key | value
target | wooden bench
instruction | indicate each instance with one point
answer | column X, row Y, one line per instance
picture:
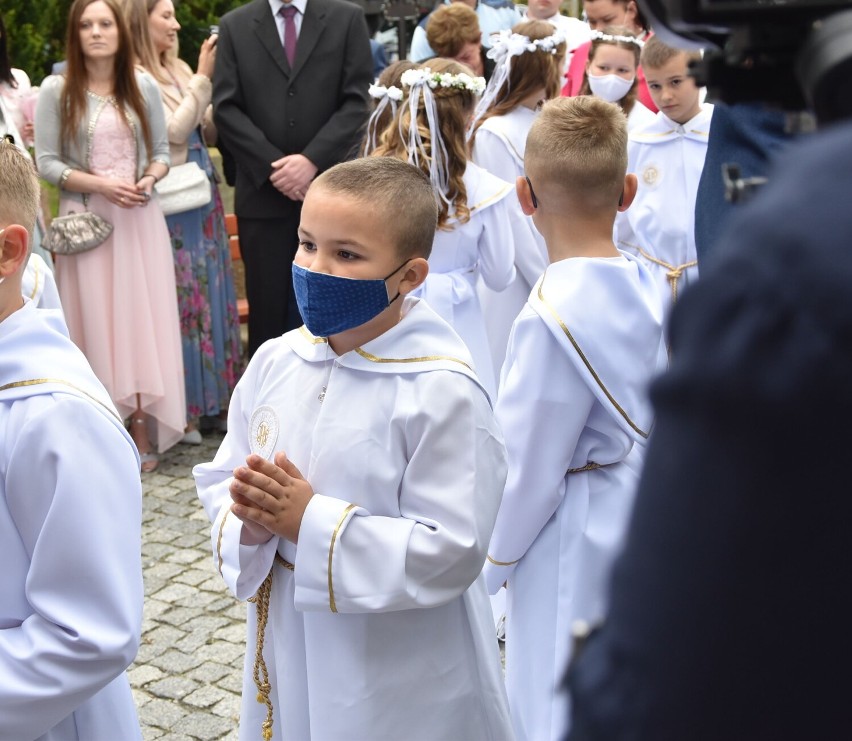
column 232, row 228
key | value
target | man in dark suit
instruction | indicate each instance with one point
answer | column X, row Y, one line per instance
column 283, row 122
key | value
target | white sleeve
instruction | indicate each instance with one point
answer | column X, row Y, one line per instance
column 490, row 153
column 73, row 493
column 420, row 49
column 242, row 567
column 349, row 560
column 497, row 244
column 542, row 408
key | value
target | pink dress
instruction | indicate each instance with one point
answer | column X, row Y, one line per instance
column 120, row 298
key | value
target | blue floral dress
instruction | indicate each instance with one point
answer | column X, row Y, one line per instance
column 207, row 300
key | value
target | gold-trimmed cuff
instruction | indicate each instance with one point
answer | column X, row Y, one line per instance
column 219, row 541
column 331, row 602
column 502, row 563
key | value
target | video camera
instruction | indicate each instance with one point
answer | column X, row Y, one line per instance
column 792, row 54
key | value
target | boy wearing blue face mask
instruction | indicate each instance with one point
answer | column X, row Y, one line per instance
column 366, row 438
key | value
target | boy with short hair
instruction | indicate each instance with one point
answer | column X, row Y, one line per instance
column 572, row 403
column 70, row 514
column 366, row 438
column 667, row 157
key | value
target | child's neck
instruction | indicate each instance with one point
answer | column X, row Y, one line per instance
column 569, row 236
column 347, row 341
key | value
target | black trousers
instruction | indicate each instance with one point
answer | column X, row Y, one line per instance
column 268, row 247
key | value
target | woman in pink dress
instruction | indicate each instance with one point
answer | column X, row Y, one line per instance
column 101, row 137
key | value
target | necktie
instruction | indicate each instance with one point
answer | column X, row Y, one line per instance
column 287, row 13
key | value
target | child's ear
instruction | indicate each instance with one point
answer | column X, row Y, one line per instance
column 522, row 188
column 629, row 193
column 14, row 249
column 415, row 273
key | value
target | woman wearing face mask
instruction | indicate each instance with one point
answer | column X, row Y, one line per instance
column 611, row 73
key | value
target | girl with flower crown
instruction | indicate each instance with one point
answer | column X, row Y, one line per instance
column 386, row 93
column 611, row 73
column 479, row 221
column 528, row 71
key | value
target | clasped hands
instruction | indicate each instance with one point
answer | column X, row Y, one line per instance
column 128, row 195
column 270, row 498
column 292, row 175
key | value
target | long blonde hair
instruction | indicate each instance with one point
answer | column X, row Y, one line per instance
column 453, row 107
column 125, row 90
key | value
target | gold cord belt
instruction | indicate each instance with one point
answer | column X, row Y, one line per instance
column 261, row 673
column 590, row 466
column 674, row 271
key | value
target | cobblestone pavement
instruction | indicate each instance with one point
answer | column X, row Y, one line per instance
column 187, row 676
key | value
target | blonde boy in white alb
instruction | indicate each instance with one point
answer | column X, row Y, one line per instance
column 572, row 404
column 70, row 515
column 355, row 492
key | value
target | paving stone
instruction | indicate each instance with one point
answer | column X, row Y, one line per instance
column 228, row 706
column 165, row 635
column 233, row 682
column 209, row 672
column 141, row 674
column 206, row 696
column 232, row 634
column 176, row 662
column 161, row 713
column 223, row 653
column 204, row 726
column 175, row 592
column 173, row 688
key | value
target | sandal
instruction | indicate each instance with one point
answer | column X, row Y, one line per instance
column 149, row 460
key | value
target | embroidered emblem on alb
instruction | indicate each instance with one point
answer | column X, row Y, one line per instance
column 651, row 175
column 263, row 431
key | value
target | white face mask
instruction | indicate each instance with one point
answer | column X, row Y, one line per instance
column 610, row 88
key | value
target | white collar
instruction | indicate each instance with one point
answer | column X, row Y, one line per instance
column 299, row 5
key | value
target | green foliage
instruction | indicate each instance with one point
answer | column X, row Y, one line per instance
column 195, row 18
column 36, row 30
column 36, row 34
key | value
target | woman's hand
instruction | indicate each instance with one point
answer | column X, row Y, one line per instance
column 207, row 56
column 124, row 194
column 145, row 187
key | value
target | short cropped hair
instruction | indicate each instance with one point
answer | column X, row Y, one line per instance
column 401, row 194
column 19, row 188
column 656, row 54
column 452, row 26
column 578, row 147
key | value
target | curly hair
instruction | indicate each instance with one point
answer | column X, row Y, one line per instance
column 453, row 107
column 529, row 72
column 452, row 26
column 629, row 100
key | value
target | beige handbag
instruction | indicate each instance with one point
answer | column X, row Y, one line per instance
column 185, row 187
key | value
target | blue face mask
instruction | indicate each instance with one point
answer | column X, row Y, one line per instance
column 330, row 304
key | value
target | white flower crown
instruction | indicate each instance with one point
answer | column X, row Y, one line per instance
column 507, row 44
column 600, row 36
column 380, row 91
column 425, row 76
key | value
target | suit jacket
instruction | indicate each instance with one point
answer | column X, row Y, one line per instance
column 264, row 110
